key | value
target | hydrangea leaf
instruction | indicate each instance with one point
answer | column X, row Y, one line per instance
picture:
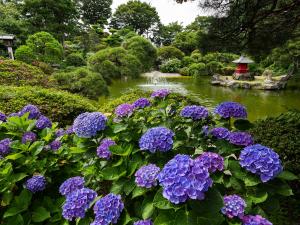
column 40, row 214
column 162, row 203
column 113, row 173
column 147, row 208
column 258, row 197
column 287, row 175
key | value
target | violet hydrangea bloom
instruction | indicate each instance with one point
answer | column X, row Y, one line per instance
column 143, row 222
column 162, row 93
column 194, row 112
column 43, row 122
column 5, row 146
column 69, row 130
column 36, row 183
column 234, row 206
column 87, row 125
column 220, row 133
column 240, row 138
column 13, row 115
column 205, row 130
column 124, row 110
column 103, row 149
column 108, row 210
column 28, row 137
column 255, row 220
column 146, row 176
column 70, row 185
column 60, row 132
column 212, row 161
column 77, row 203
column 231, row 109
column 141, row 103
column 2, row 117
column 262, row 161
column 182, row 179
column 34, row 112
column 55, row 145
column 157, row 139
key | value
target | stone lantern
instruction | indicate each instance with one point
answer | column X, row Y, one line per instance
column 8, row 41
column 242, row 71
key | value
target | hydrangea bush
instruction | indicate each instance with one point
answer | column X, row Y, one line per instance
column 163, row 163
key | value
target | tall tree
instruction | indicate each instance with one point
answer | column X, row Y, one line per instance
column 139, row 16
column 168, row 32
column 96, row 11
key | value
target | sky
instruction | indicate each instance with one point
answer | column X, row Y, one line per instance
column 169, row 11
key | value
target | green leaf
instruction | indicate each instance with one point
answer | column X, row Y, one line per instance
column 117, row 186
column 17, row 177
column 147, row 208
column 14, row 156
column 16, row 220
column 23, row 200
column 125, row 218
column 138, row 191
column 258, row 197
column 117, row 128
column 76, row 150
column 287, row 175
column 251, row 180
column 113, row 173
column 162, row 203
column 40, row 214
column 129, row 186
column 12, row 211
column 242, row 124
column 6, row 199
column 36, row 147
column 122, row 151
column 165, row 217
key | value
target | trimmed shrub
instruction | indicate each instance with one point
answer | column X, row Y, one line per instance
column 197, row 56
column 187, row 60
column 228, row 70
column 45, row 67
column 25, row 53
column 143, row 50
column 220, row 57
column 75, row 59
column 165, row 53
column 82, row 81
column 171, row 66
column 214, row 67
column 184, row 71
column 60, row 106
column 197, row 69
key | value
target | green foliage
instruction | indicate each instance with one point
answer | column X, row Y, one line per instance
column 186, row 41
column 25, row 53
column 75, row 59
column 168, row 32
column 197, row 70
column 142, row 49
column 214, row 67
column 170, row 66
column 169, row 52
column 188, row 60
column 83, row 82
column 60, row 106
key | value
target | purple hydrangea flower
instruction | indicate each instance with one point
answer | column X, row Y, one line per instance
column 70, row 185
column 240, row 138
column 36, row 183
column 234, row 206
column 34, row 112
column 124, row 110
column 157, row 139
column 2, row 117
column 108, row 210
column 262, row 161
column 220, row 133
column 103, row 150
column 231, row 109
column 55, row 145
column 13, row 115
column 43, row 122
column 141, row 103
column 69, row 130
column 194, row 112
column 77, row 203
column 5, row 146
column 146, row 176
column 87, row 125
column 28, row 137
column 143, row 222
column 182, row 178
column 255, row 220
column 60, row 132
column 212, row 161
column 162, row 93
column 205, row 130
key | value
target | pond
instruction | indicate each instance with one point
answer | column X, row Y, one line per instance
column 259, row 103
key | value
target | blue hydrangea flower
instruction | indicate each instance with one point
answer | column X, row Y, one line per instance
column 28, row 137
column 87, row 125
column 262, row 161
column 143, row 222
column 2, row 117
column 70, row 130
column 234, row 206
column 212, row 161
column 162, row 93
column 77, row 203
column 240, row 138
column 13, row 115
column 255, row 220
column 103, row 150
column 194, row 112
column 182, row 178
column 34, row 112
column 141, row 103
column 55, row 145
column 146, row 176
column 43, row 122
column 60, row 132
column 220, row 133
column 231, row 109
column 70, row 185
column 124, row 110
column 205, row 130
column 36, row 183
column 108, row 210
column 157, row 139
column 5, row 146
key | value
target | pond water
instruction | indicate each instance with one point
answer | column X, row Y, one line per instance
column 259, row 103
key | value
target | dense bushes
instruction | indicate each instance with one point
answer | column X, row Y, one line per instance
column 165, row 53
column 83, row 82
column 170, row 66
column 58, row 105
column 75, row 59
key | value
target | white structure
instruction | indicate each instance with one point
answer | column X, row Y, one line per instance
column 8, row 42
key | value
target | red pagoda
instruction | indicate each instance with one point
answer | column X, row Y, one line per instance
column 242, row 71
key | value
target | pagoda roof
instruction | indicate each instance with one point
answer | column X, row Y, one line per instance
column 243, row 59
column 7, row 37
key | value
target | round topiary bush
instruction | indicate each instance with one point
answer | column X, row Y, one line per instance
column 197, row 70
column 75, row 59
column 170, row 66
column 165, row 53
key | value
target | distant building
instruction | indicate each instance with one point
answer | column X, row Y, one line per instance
column 242, row 71
column 8, row 41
